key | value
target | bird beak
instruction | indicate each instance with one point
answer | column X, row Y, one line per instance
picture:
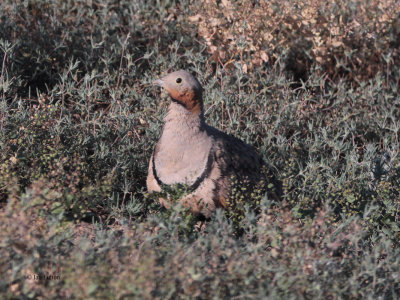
column 159, row 82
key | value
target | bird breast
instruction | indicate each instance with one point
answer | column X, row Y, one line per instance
column 182, row 153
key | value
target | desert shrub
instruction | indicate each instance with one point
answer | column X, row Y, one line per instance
column 42, row 47
column 352, row 39
column 64, row 165
column 278, row 257
column 79, row 120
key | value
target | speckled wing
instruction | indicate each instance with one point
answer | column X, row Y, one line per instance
column 239, row 162
column 234, row 156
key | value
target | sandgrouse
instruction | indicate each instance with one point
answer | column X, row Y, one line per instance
column 191, row 153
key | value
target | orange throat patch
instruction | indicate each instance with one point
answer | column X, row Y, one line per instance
column 188, row 99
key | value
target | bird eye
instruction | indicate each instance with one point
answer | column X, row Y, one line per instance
column 178, row 80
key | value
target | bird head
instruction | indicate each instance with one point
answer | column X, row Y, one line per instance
column 184, row 89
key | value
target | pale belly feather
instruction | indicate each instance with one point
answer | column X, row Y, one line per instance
column 182, row 161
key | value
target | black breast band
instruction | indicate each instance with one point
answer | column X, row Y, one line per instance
column 196, row 184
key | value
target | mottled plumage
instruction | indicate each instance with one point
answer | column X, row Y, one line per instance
column 208, row 162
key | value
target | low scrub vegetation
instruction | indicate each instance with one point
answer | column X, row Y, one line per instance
column 313, row 85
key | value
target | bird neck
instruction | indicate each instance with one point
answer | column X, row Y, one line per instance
column 190, row 101
column 179, row 119
column 181, row 125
